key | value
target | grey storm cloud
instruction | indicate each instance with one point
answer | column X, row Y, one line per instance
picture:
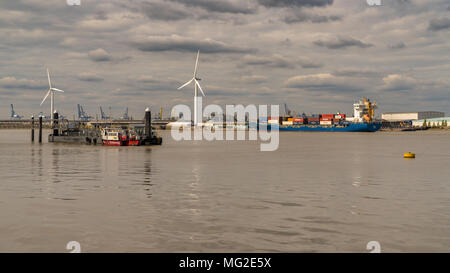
column 439, row 24
column 164, row 11
column 305, row 63
column 184, row 44
column 150, row 83
column 272, row 61
column 99, row 55
column 399, row 45
column 89, row 77
column 362, row 72
column 301, row 16
column 341, row 42
column 278, row 61
column 224, row 6
column 295, row 3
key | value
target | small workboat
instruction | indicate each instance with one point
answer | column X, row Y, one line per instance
column 119, row 137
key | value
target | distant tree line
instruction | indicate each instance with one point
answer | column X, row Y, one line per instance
column 442, row 124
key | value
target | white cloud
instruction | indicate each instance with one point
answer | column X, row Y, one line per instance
column 396, row 82
column 322, row 83
column 12, row 82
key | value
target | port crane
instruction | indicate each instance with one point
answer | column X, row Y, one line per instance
column 103, row 115
column 82, row 115
column 13, row 113
column 287, row 112
column 125, row 115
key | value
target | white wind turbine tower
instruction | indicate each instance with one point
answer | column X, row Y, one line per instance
column 51, row 92
column 197, row 86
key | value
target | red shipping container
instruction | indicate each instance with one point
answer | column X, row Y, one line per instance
column 336, row 120
column 298, row 120
column 327, row 116
column 325, row 119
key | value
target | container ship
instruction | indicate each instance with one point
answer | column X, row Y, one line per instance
column 362, row 121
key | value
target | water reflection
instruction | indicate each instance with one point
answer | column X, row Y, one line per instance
column 55, row 166
column 147, row 179
column 36, row 161
column 194, row 187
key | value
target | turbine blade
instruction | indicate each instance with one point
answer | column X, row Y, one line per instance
column 48, row 93
column 184, row 85
column 196, row 64
column 58, row 90
column 48, row 76
column 198, row 84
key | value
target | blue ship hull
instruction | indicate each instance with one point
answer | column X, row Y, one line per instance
column 352, row 127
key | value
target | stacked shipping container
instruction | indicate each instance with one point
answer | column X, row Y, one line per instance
column 324, row 119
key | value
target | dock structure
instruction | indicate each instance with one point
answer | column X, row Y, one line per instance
column 22, row 124
column 149, row 138
column 32, row 128
column 40, row 129
column 27, row 123
column 78, row 136
column 93, row 132
column 157, row 124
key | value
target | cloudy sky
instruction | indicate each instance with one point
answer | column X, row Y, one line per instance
column 315, row 55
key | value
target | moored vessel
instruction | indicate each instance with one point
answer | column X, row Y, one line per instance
column 119, row 137
column 124, row 135
column 362, row 121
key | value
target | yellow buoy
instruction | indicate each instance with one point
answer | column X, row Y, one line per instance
column 409, row 155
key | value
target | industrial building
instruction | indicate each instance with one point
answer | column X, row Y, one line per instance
column 404, row 116
column 432, row 122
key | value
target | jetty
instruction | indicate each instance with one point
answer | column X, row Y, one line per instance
column 63, row 131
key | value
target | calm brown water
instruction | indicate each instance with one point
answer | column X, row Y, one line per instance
column 319, row 192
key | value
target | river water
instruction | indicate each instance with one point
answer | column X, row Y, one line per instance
column 319, row 192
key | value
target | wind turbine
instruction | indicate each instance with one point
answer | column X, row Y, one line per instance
column 51, row 92
column 197, row 86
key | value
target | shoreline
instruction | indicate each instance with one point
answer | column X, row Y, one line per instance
column 47, row 126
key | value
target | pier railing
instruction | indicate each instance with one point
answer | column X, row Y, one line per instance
column 21, row 124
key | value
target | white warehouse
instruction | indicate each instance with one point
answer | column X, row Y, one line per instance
column 392, row 117
column 432, row 122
